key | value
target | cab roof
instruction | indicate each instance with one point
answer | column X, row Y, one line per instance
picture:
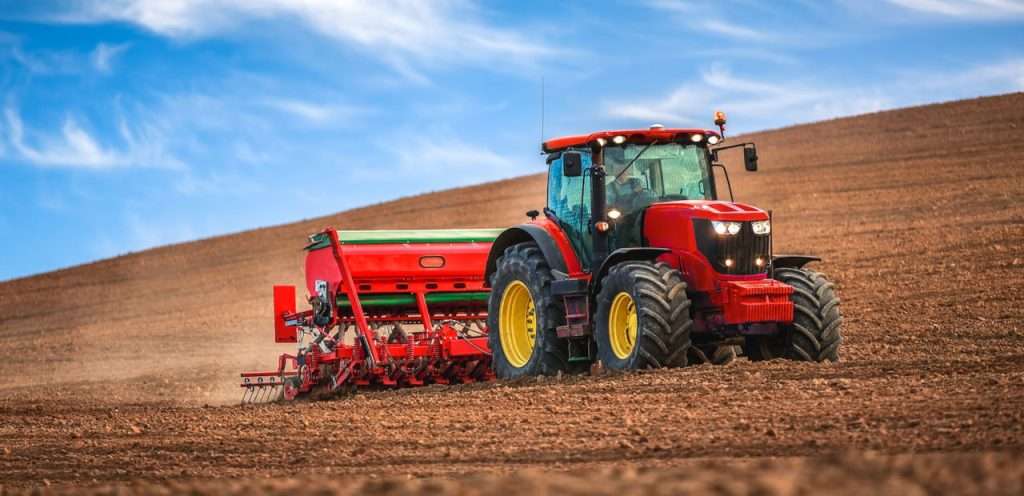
column 632, row 136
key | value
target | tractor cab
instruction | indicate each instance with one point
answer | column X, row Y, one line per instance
column 601, row 184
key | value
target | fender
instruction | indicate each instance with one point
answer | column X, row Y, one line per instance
column 521, row 234
column 792, row 261
column 624, row 255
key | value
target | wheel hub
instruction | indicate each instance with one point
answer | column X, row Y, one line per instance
column 518, row 324
column 622, row 325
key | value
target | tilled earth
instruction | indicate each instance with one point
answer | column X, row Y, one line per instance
column 916, row 212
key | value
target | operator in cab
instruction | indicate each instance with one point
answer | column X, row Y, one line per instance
column 626, row 190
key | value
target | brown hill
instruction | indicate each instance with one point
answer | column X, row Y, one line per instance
column 917, row 213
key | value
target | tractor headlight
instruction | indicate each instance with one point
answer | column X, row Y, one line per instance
column 762, row 227
column 726, row 228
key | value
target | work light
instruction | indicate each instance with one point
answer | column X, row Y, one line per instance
column 762, row 227
column 726, row 228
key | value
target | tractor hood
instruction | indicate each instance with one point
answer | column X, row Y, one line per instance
column 713, row 209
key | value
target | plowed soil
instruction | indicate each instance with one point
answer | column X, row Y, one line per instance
column 124, row 371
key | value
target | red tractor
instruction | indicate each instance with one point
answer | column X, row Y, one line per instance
column 636, row 262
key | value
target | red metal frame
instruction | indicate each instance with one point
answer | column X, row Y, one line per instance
column 572, row 261
column 284, row 304
column 634, row 135
column 439, row 353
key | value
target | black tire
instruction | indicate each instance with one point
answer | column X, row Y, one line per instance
column 524, row 262
column 814, row 335
column 713, row 354
column 663, row 316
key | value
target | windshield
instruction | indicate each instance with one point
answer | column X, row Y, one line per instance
column 664, row 172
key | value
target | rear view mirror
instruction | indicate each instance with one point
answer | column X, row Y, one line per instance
column 572, row 164
column 750, row 159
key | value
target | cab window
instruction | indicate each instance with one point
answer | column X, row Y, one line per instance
column 569, row 201
column 569, row 197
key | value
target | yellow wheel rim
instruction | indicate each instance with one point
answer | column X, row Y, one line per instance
column 518, row 324
column 622, row 324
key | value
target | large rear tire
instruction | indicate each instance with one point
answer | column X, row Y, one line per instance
column 522, row 316
column 814, row 335
column 643, row 317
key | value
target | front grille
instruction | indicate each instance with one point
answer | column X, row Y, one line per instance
column 743, row 248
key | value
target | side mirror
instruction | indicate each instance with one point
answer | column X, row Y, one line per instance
column 750, row 159
column 572, row 164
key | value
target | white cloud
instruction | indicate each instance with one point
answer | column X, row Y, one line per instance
column 75, row 147
column 708, row 18
column 46, row 62
column 731, row 30
column 995, row 77
column 965, row 9
column 760, row 103
column 312, row 112
column 434, row 159
column 406, row 34
column 676, row 6
column 308, row 111
column 438, row 155
column 216, row 183
column 751, row 52
column 104, row 53
column 246, row 154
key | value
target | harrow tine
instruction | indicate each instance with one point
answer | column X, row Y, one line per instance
column 263, row 393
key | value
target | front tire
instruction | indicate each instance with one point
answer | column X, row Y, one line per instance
column 522, row 316
column 643, row 317
column 814, row 335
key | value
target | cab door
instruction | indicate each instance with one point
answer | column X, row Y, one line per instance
column 569, row 202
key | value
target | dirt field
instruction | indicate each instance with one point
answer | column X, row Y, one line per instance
column 125, row 370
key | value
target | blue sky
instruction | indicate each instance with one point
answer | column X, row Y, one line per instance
column 129, row 124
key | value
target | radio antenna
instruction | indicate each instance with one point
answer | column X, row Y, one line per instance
column 542, row 114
